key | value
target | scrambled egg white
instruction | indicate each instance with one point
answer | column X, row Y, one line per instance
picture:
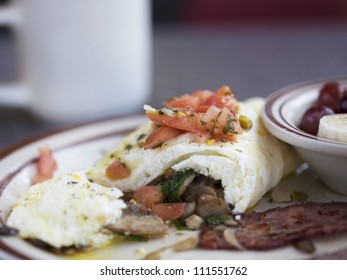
column 67, row 210
column 247, row 169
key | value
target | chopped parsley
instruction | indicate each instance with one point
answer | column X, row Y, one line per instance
column 128, row 147
column 203, row 123
column 229, row 125
column 141, row 136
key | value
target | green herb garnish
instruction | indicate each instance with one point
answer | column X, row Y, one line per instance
column 141, row 136
column 216, row 219
column 128, row 147
column 170, row 187
column 229, row 125
column 179, row 225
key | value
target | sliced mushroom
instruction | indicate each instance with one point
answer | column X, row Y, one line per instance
column 208, row 205
column 136, row 209
column 186, row 183
column 205, row 180
column 220, row 192
column 305, row 246
column 229, row 235
column 189, row 209
column 194, row 191
column 231, row 222
column 139, row 225
column 184, row 245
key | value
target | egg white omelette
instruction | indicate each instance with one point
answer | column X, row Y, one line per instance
column 67, row 210
column 247, row 169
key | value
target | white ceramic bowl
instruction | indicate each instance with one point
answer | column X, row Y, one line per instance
column 281, row 116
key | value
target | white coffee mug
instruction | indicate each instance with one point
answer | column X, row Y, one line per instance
column 80, row 59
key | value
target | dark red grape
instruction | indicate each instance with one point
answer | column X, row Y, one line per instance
column 310, row 120
column 329, row 96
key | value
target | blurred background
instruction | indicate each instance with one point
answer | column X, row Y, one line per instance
column 256, row 47
column 235, row 11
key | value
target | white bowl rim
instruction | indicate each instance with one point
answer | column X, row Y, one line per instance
column 277, row 124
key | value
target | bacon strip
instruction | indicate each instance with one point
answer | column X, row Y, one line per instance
column 279, row 227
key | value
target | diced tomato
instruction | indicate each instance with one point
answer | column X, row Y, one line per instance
column 148, row 195
column 117, row 170
column 202, row 109
column 206, row 114
column 161, row 135
column 46, row 165
column 220, row 124
column 224, row 97
column 184, row 121
column 187, row 102
column 199, row 100
column 169, row 211
column 203, row 95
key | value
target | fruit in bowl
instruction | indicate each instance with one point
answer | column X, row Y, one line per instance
column 285, row 111
column 332, row 102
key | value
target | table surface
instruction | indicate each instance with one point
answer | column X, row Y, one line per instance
column 254, row 59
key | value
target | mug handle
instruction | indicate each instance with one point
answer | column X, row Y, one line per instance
column 12, row 93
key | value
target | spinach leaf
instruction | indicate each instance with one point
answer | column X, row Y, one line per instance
column 170, row 187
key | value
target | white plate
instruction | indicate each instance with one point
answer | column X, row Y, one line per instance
column 81, row 147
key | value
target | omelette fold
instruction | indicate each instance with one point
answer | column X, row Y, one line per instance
column 246, row 168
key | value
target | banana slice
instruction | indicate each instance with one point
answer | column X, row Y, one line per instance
column 333, row 127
